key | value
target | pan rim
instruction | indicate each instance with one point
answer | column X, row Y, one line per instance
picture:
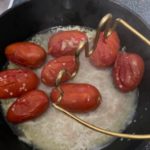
column 140, row 18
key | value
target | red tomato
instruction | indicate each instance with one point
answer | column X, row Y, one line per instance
column 77, row 97
column 52, row 68
column 65, row 42
column 106, row 51
column 28, row 106
column 26, row 54
column 128, row 71
column 15, row 82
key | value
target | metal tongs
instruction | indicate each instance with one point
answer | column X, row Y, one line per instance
column 108, row 27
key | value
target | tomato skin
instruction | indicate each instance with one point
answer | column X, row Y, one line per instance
column 28, row 106
column 65, row 42
column 128, row 71
column 106, row 51
column 26, row 54
column 77, row 97
column 52, row 68
column 15, row 82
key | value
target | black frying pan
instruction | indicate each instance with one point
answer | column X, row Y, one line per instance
column 25, row 20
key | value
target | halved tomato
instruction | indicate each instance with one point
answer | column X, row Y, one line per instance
column 77, row 97
column 106, row 51
column 26, row 54
column 128, row 71
column 28, row 106
column 53, row 67
column 65, row 42
column 15, row 82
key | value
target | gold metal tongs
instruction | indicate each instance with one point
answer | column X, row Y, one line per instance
column 105, row 25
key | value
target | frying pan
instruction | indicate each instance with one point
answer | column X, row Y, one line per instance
column 23, row 21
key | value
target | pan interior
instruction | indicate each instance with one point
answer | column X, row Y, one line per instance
column 115, row 113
